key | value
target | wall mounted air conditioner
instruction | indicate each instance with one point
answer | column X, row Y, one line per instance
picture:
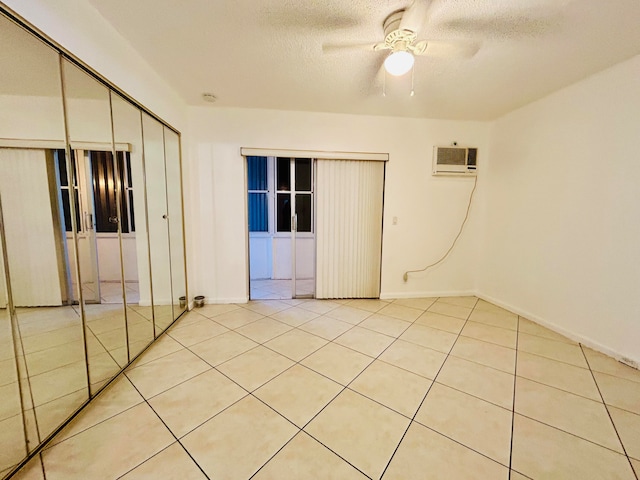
column 454, row 160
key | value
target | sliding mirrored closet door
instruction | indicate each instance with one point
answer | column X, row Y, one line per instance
column 174, row 213
column 127, row 130
column 12, row 434
column 92, row 263
column 38, row 264
column 158, row 224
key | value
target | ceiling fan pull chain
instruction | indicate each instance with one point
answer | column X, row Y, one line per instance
column 413, row 76
column 384, row 84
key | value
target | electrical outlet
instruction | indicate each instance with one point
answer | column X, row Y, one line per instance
column 394, row 220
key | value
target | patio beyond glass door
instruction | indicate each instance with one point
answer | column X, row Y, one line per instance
column 302, row 236
column 294, row 214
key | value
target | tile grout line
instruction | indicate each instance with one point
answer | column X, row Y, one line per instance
column 513, row 404
column 570, row 433
column 606, row 406
column 553, row 359
column 251, row 393
column 29, row 386
column 425, row 396
column 358, row 393
column 44, row 473
column 170, row 432
column 395, row 338
column 145, row 461
column 565, row 391
column 344, row 387
column 51, row 445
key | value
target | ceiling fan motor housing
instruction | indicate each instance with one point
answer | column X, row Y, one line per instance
column 395, row 38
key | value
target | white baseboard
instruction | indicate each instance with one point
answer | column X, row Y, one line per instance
column 586, row 341
column 449, row 293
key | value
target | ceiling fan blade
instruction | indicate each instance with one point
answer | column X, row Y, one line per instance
column 415, row 16
column 346, row 47
column 446, row 49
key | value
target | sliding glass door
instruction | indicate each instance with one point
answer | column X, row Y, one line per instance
column 281, row 227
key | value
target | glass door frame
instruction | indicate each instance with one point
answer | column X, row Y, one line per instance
column 295, row 234
column 87, row 229
column 292, row 192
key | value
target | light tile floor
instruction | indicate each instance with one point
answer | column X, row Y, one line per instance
column 111, row 292
column 451, row 388
column 279, row 289
column 53, row 373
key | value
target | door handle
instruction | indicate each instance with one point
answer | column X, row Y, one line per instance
column 88, row 220
column 294, row 223
column 113, row 220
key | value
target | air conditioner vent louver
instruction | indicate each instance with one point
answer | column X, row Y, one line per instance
column 454, row 160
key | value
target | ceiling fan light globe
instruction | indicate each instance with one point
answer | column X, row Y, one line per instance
column 399, row 63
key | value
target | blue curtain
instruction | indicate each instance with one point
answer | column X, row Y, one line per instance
column 258, row 207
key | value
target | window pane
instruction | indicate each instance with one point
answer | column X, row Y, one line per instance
column 257, row 173
column 128, row 157
column 66, row 209
column 62, row 167
column 124, row 220
column 73, row 167
column 104, row 197
column 283, row 175
column 283, row 212
column 303, row 210
column 303, row 174
column 131, row 211
column 258, row 212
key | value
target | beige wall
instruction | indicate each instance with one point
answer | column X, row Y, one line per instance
column 429, row 209
column 562, row 218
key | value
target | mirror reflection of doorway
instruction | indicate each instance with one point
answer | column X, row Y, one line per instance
column 97, row 180
column 281, row 227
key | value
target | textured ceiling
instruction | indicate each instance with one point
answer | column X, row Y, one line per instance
column 268, row 53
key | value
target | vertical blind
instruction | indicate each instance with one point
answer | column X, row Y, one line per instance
column 29, row 228
column 349, row 196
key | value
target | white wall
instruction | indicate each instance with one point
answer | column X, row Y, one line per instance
column 562, row 221
column 31, row 117
column 429, row 209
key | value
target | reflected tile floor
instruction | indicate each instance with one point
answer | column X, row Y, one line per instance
column 450, row 388
column 111, row 292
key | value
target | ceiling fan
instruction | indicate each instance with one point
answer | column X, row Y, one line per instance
column 401, row 30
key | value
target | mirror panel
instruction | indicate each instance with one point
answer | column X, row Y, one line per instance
column 30, row 92
column 92, row 262
column 49, row 328
column 99, row 192
column 127, row 127
column 46, row 329
column 176, row 237
column 12, row 435
column 154, row 162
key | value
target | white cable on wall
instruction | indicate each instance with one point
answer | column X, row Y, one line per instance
column 405, row 277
